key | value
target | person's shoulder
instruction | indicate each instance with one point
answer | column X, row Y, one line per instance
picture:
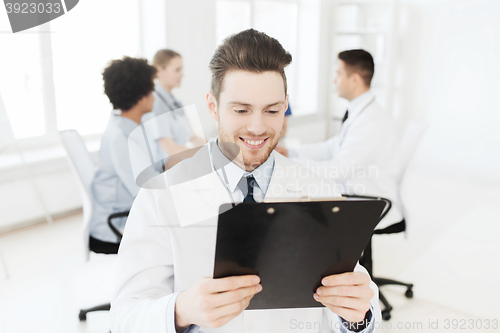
column 121, row 126
column 375, row 113
column 113, row 129
column 283, row 161
column 195, row 166
column 305, row 176
column 299, row 169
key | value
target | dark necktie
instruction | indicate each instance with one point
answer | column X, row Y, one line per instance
column 250, row 185
column 345, row 116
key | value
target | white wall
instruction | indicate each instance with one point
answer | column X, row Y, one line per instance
column 153, row 26
column 448, row 74
column 25, row 190
column 191, row 32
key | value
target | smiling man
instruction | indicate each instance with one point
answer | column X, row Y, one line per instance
column 250, row 118
column 166, row 257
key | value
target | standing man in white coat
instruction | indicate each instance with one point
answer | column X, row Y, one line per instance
column 363, row 157
column 166, row 257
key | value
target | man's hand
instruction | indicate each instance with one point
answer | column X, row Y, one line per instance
column 214, row 302
column 282, row 150
column 347, row 295
column 197, row 141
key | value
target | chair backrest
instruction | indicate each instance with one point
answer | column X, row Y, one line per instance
column 407, row 148
column 409, row 143
column 84, row 167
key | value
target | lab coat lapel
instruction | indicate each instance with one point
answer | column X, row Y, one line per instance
column 285, row 181
column 291, row 180
column 201, row 189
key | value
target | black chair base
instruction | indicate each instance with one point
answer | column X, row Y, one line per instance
column 366, row 261
column 386, row 312
column 98, row 246
column 83, row 313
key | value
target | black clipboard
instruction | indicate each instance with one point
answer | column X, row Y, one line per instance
column 292, row 245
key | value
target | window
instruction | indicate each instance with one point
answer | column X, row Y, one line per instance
column 232, row 16
column 367, row 26
column 21, row 82
column 50, row 82
column 295, row 23
column 80, row 100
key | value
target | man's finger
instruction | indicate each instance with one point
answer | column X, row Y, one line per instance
column 230, row 283
column 348, row 314
column 228, row 311
column 347, row 291
column 233, row 296
column 356, row 304
column 346, row 279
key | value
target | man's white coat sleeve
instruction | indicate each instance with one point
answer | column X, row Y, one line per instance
column 144, row 299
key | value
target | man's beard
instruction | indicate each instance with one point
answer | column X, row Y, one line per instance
column 247, row 159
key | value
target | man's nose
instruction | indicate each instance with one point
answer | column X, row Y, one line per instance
column 257, row 125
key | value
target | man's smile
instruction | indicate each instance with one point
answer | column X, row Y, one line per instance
column 254, row 143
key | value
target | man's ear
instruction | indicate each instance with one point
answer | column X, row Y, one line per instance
column 212, row 105
column 286, row 102
column 357, row 79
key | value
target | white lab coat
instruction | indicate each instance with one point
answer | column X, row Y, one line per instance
column 169, row 244
column 363, row 157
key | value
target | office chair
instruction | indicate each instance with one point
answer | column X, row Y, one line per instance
column 84, row 167
column 408, row 146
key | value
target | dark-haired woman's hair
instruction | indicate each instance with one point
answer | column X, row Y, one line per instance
column 127, row 81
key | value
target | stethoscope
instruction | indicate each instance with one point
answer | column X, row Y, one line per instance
column 171, row 107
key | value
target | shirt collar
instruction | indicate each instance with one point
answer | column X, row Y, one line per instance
column 165, row 94
column 230, row 173
column 358, row 104
column 126, row 124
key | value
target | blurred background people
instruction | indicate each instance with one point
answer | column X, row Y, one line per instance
column 363, row 157
column 282, row 143
column 173, row 132
column 129, row 85
column 288, row 113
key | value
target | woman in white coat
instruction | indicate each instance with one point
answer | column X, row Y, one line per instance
column 172, row 132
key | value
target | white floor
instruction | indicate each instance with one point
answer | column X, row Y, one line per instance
column 449, row 256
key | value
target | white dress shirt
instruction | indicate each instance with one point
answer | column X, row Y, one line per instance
column 362, row 158
column 232, row 175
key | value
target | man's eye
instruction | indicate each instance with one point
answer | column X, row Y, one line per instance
column 240, row 111
column 273, row 111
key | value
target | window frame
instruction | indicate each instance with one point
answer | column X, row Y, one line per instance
column 324, row 46
column 51, row 136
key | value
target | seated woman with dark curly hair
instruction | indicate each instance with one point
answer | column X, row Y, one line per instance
column 129, row 85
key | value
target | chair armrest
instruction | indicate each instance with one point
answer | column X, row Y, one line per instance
column 388, row 203
column 113, row 228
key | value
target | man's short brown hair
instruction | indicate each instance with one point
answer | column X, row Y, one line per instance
column 359, row 61
column 249, row 50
